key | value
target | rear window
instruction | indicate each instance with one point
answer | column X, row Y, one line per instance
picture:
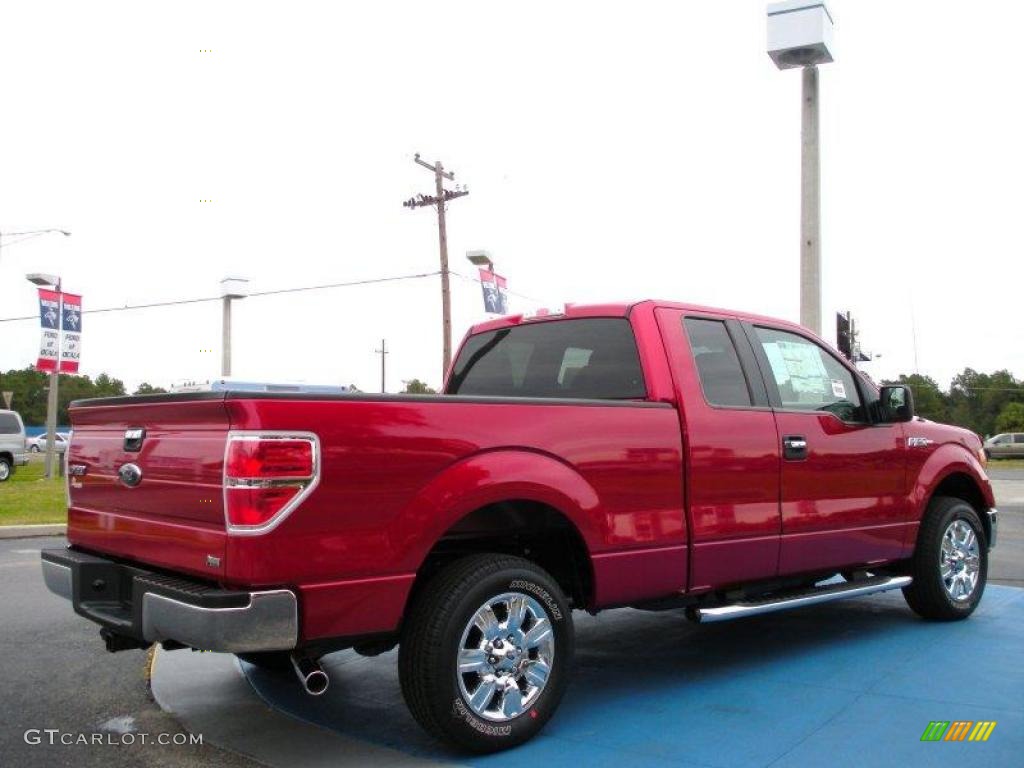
column 9, row 424
column 592, row 358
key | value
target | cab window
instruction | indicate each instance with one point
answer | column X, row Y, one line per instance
column 718, row 365
column 809, row 378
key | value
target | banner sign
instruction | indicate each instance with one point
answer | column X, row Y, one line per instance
column 49, row 323
column 59, row 313
column 495, row 296
column 71, row 325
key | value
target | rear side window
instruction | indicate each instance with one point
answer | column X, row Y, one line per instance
column 592, row 358
column 721, row 376
column 9, row 424
column 1018, row 438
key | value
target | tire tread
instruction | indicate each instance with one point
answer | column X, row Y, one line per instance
column 425, row 625
column 926, row 595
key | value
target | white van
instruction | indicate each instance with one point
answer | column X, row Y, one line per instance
column 12, row 443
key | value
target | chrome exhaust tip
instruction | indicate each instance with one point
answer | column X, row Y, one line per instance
column 314, row 680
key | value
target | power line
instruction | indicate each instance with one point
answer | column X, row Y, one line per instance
column 179, row 302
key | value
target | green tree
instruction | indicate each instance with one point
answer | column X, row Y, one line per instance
column 145, row 388
column 977, row 399
column 1011, row 418
column 31, row 390
column 417, row 387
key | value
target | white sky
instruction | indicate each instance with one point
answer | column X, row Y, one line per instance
column 613, row 151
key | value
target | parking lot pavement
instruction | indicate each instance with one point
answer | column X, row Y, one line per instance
column 1006, row 564
column 56, row 674
column 850, row 668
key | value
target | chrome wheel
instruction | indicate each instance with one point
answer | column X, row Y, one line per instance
column 5, row 471
column 505, row 656
column 960, row 560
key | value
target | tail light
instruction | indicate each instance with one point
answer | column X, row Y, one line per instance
column 266, row 476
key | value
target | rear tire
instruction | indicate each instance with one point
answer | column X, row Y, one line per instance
column 5, row 469
column 950, row 563
column 485, row 652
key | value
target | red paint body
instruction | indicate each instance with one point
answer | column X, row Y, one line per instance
column 669, row 495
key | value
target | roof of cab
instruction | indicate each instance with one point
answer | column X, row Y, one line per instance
column 622, row 309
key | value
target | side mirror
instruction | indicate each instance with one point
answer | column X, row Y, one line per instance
column 895, row 404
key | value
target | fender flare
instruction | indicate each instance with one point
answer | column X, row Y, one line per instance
column 947, row 460
column 498, row 475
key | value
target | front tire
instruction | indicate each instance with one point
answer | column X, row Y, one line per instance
column 35, row 449
column 950, row 563
column 485, row 652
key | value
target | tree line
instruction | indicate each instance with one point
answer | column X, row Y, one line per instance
column 986, row 403
column 30, row 390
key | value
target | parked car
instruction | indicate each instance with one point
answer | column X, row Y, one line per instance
column 37, row 444
column 1005, row 446
column 12, row 443
column 657, row 455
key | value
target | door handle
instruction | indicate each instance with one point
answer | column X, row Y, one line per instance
column 794, row 447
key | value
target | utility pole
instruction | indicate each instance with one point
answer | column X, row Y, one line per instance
column 439, row 198
column 383, row 351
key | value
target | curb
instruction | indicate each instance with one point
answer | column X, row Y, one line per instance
column 29, row 531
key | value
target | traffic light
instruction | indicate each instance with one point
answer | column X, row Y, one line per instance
column 844, row 342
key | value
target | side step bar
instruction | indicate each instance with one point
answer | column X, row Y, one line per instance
column 798, row 599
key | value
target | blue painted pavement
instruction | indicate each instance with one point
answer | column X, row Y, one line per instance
column 851, row 683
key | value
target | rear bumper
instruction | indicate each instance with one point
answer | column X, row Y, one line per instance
column 154, row 607
column 20, row 459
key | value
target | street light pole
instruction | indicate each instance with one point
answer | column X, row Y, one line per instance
column 50, row 281
column 800, row 36
column 231, row 288
column 810, row 204
column 225, row 337
column 383, row 351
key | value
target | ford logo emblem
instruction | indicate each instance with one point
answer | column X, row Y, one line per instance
column 130, row 475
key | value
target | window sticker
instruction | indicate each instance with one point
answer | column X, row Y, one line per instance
column 838, row 389
column 801, row 364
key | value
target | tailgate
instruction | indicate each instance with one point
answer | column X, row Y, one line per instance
column 157, row 499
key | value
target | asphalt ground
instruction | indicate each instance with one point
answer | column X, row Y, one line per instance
column 57, row 675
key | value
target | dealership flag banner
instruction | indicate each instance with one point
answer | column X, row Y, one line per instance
column 71, row 325
column 49, row 322
column 53, row 350
column 495, row 295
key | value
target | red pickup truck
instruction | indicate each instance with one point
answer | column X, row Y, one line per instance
column 654, row 455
